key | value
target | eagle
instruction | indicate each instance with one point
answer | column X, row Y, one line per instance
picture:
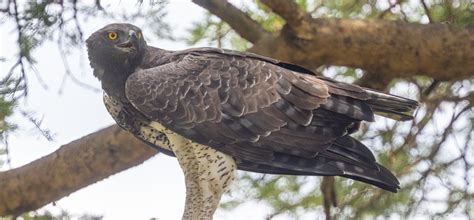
column 218, row 111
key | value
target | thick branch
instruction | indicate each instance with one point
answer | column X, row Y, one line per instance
column 289, row 10
column 297, row 19
column 237, row 19
column 70, row 168
column 391, row 49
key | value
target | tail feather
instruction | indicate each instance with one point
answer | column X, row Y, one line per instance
column 346, row 157
column 391, row 106
column 383, row 178
column 380, row 177
column 353, row 151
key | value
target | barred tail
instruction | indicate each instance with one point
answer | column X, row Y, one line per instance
column 391, row 106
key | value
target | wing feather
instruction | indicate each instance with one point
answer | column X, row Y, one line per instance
column 271, row 116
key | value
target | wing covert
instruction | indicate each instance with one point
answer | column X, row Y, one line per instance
column 223, row 98
column 270, row 117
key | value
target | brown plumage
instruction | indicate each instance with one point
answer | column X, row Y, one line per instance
column 269, row 116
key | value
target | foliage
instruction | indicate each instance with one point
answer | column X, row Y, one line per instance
column 216, row 33
column 60, row 21
column 63, row 215
column 7, row 106
column 6, row 109
column 432, row 156
column 38, row 22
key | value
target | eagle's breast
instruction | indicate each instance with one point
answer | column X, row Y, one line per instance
column 208, row 165
column 147, row 130
column 152, row 131
column 132, row 121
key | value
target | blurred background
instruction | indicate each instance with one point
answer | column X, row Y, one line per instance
column 49, row 97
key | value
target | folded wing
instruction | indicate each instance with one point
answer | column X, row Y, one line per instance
column 270, row 117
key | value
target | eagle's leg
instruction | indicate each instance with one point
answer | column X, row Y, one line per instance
column 208, row 174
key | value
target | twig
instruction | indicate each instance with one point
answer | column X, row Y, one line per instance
column 220, row 33
column 39, row 78
column 290, row 11
column 98, row 5
column 237, row 19
column 68, row 72
column 404, row 15
column 76, row 20
column 386, row 11
column 427, row 11
column 20, row 59
column 466, row 163
column 430, row 88
column 44, row 132
column 7, row 151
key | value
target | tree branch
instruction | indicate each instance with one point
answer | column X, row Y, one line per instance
column 237, row 19
column 391, row 49
column 328, row 191
column 297, row 19
column 427, row 11
column 70, row 168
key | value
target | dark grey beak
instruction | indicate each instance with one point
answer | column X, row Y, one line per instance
column 132, row 41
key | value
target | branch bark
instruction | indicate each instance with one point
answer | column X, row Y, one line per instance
column 70, row 168
column 297, row 19
column 328, row 190
column 390, row 49
column 237, row 19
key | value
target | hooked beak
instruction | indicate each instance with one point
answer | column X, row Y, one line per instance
column 132, row 41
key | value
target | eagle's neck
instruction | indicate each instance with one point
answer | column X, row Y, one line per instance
column 113, row 83
column 155, row 57
column 114, row 77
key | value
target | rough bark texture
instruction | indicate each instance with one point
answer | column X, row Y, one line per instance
column 394, row 49
column 240, row 22
column 385, row 49
column 388, row 49
column 328, row 189
column 70, row 168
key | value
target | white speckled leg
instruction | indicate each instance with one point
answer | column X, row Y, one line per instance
column 208, row 174
column 216, row 174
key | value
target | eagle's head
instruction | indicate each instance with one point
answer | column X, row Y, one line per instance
column 118, row 46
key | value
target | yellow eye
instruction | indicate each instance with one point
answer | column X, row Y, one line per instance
column 112, row 35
